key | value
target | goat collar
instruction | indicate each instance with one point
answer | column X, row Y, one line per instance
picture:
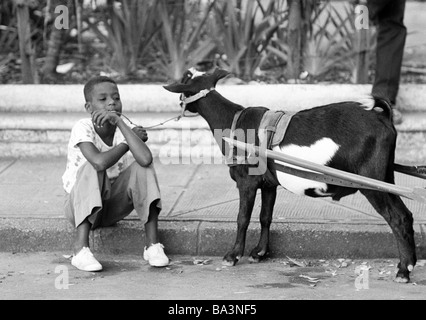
column 187, row 100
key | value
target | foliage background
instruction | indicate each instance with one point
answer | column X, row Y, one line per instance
column 156, row 40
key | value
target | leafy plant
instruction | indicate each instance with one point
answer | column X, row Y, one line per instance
column 8, row 28
column 127, row 28
column 8, row 39
column 331, row 42
column 327, row 45
column 182, row 42
column 243, row 30
column 351, row 47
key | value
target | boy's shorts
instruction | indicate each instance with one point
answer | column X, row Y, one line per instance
column 104, row 203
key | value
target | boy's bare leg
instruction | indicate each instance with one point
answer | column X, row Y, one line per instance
column 151, row 226
column 153, row 251
column 82, row 236
column 83, row 259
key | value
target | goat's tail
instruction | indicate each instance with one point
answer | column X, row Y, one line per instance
column 383, row 105
column 377, row 104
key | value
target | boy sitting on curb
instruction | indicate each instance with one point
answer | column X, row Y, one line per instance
column 104, row 182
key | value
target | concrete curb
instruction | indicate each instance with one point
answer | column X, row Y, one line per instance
column 154, row 98
column 198, row 238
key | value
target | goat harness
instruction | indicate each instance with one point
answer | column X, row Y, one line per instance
column 271, row 132
column 184, row 101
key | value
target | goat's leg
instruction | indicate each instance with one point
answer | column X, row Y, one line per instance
column 247, row 198
column 400, row 219
column 268, row 201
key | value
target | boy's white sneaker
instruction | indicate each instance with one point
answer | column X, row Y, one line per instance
column 155, row 255
column 85, row 261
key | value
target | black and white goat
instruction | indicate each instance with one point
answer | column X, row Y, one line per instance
column 347, row 136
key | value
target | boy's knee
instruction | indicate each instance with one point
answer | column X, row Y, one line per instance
column 146, row 174
column 86, row 169
column 143, row 169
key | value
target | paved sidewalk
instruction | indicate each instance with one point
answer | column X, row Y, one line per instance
column 48, row 275
column 200, row 206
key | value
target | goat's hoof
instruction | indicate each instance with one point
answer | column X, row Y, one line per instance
column 257, row 257
column 229, row 262
column 399, row 279
column 254, row 259
column 403, row 276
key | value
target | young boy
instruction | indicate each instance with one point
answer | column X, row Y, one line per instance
column 104, row 181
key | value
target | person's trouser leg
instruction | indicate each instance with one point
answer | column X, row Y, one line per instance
column 135, row 189
column 392, row 33
column 86, row 197
column 94, row 198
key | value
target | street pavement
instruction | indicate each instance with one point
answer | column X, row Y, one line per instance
column 49, row 276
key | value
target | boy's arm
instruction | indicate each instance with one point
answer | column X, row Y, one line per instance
column 102, row 160
column 139, row 149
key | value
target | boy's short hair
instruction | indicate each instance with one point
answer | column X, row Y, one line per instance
column 88, row 87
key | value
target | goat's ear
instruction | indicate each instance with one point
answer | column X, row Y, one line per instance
column 176, row 87
column 220, row 74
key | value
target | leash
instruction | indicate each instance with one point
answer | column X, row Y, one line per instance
column 177, row 118
column 184, row 102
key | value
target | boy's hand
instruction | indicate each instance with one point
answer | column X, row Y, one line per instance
column 101, row 117
column 141, row 133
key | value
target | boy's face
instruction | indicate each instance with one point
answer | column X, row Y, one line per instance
column 105, row 96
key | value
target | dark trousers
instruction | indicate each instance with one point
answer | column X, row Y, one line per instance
column 389, row 16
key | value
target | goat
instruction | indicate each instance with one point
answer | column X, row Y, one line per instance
column 347, row 136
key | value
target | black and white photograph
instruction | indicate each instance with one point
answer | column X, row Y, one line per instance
column 213, row 158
